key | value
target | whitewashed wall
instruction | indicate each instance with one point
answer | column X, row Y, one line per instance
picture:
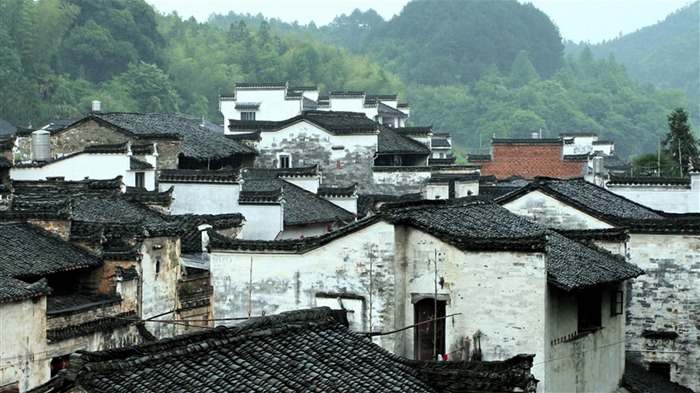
column 262, row 222
column 360, row 264
column 80, row 166
column 203, row 198
column 545, row 210
column 670, row 198
column 666, row 299
column 159, row 289
column 23, row 357
column 487, row 288
column 273, row 105
column 585, row 363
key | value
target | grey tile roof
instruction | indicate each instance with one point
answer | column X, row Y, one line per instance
column 289, row 245
column 198, row 176
column 573, row 266
column 6, row 128
column 29, row 251
column 648, row 180
column 527, row 141
column 440, row 142
column 476, row 224
column 106, row 324
column 197, row 142
column 388, row 111
column 637, row 379
column 138, row 165
column 306, row 171
column 336, row 123
column 191, row 240
column 301, row 206
column 155, row 197
column 589, row 198
column 331, row 191
column 391, row 142
column 12, row 289
column 298, row 351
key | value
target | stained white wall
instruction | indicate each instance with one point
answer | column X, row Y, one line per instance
column 666, row 299
column 361, row 265
column 160, row 271
column 23, row 345
column 545, row 210
column 485, row 287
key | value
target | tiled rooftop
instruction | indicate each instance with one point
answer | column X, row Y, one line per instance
column 29, row 251
column 392, row 142
column 197, row 142
column 298, row 351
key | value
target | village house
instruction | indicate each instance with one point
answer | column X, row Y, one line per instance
column 467, row 263
column 93, row 162
column 293, row 351
column 177, row 142
column 279, row 101
column 276, row 203
column 672, row 195
column 662, row 305
column 349, row 148
column 570, row 155
column 129, row 263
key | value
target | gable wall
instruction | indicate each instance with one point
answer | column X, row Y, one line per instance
column 545, row 210
column 159, row 290
column 486, row 288
column 666, row 299
column 262, row 221
column 529, row 161
column 360, row 264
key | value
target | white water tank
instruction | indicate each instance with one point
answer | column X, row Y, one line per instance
column 96, row 106
column 41, row 145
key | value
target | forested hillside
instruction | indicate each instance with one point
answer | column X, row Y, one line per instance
column 475, row 69
column 665, row 54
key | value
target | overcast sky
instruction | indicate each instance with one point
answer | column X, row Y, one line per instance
column 578, row 20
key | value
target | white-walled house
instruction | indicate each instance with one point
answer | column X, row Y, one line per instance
column 96, row 162
column 662, row 305
column 276, row 203
column 504, row 285
column 672, row 195
column 279, row 101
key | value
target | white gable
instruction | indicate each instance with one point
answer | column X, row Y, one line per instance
column 550, row 212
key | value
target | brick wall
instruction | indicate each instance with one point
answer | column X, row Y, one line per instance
column 529, row 161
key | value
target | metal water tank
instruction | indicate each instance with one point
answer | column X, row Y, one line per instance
column 598, row 165
column 41, row 145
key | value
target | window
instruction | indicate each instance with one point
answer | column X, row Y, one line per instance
column 284, row 161
column 589, row 317
column 661, row 368
column 429, row 336
column 247, row 115
column 616, row 302
column 140, row 179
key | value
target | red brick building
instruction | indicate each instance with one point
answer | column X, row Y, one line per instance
column 529, row 158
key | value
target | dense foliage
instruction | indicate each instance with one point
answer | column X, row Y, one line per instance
column 475, row 69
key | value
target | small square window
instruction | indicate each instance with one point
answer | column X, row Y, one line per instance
column 661, row 368
column 247, row 115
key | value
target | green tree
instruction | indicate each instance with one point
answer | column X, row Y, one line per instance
column 149, row 87
column 679, row 143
